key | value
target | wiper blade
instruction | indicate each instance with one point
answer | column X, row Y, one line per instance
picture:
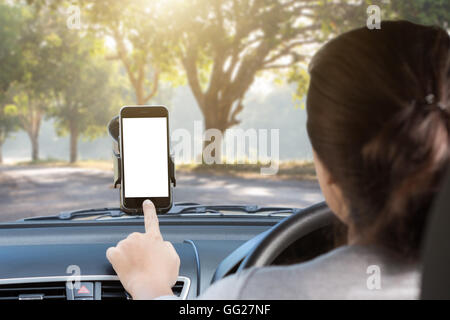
column 69, row 215
column 250, row 209
column 177, row 210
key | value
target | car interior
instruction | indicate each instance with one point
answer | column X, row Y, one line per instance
column 208, row 59
column 37, row 254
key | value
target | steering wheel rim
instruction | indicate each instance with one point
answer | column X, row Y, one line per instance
column 282, row 235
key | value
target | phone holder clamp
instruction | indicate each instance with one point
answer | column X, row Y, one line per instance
column 114, row 132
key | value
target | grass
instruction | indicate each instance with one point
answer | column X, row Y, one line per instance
column 106, row 165
column 287, row 170
column 298, row 170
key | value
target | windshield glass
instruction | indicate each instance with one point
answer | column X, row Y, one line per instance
column 233, row 75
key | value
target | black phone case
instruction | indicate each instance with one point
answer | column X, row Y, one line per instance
column 114, row 132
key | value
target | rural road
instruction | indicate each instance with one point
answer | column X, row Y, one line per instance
column 36, row 191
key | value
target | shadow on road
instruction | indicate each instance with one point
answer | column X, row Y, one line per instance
column 37, row 191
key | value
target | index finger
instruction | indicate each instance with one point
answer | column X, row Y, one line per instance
column 150, row 218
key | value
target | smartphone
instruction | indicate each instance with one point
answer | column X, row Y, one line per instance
column 144, row 149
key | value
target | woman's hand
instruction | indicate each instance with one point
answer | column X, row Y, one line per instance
column 146, row 265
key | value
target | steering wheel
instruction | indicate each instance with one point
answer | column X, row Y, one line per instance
column 282, row 235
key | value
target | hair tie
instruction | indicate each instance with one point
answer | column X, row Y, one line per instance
column 429, row 99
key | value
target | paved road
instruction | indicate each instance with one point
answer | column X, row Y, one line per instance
column 35, row 191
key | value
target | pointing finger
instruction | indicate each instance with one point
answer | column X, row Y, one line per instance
column 150, row 218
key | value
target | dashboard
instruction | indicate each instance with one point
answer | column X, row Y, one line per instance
column 40, row 260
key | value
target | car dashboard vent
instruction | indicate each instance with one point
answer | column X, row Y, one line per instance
column 113, row 290
column 96, row 287
column 33, row 291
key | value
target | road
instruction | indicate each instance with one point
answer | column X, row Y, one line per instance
column 36, row 190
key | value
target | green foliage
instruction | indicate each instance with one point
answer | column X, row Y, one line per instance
column 218, row 47
column 225, row 44
column 140, row 42
column 10, row 58
column 82, row 85
column 63, row 76
column 10, row 63
column 86, row 96
column 300, row 76
column 428, row 12
column 338, row 16
column 38, row 51
column 8, row 122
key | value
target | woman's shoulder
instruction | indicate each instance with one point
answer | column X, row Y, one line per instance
column 349, row 272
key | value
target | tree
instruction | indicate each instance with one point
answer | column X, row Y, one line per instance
column 428, row 12
column 139, row 42
column 8, row 124
column 79, row 80
column 32, row 93
column 66, row 78
column 345, row 18
column 28, row 106
column 224, row 44
column 221, row 44
column 338, row 17
column 84, row 93
column 10, row 66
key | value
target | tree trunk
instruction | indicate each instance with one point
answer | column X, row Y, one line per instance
column 139, row 94
column 74, row 133
column 212, row 122
column 34, row 147
column 32, row 125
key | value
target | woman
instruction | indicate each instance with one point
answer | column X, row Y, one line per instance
column 378, row 121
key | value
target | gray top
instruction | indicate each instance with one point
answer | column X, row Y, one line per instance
column 349, row 272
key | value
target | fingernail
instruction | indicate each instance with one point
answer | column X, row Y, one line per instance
column 147, row 202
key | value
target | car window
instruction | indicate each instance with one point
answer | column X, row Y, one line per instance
column 233, row 75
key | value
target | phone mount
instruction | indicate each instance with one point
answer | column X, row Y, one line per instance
column 114, row 132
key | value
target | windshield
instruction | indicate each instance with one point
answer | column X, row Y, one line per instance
column 233, row 75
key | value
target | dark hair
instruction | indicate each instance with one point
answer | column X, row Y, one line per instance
column 378, row 118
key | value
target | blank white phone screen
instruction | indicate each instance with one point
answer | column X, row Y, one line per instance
column 145, row 157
